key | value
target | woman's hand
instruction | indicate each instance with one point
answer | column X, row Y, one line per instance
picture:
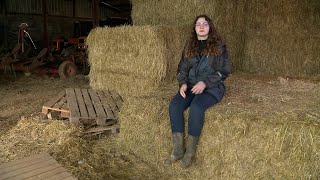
column 183, row 90
column 198, row 88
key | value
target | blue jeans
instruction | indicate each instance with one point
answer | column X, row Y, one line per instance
column 198, row 105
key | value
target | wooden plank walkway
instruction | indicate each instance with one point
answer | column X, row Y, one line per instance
column 40, row 166
column 95, row 110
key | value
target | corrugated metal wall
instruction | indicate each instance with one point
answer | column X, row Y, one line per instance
column 24, row 7
column 83, row 8
column 61, row 17
column 60, row 7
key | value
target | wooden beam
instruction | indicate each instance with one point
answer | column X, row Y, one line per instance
column 73, row 8
column 118, row 2
column 6, row 24
column 45, row 24
column 95, row 13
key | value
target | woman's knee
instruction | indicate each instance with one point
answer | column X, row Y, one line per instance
column 175, row 107
column 197, row 108
column 176, row 102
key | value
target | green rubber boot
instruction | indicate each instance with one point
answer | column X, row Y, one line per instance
column 187, row 159
column 178, row 151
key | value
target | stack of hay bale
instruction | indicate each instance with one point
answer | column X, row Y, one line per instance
column 282, row 38
column 228, row 17
column 134, row 60
column 140, row 62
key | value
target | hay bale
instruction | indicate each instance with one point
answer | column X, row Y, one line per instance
column 128, row 58
column 286, row 54
column 282, row 38
column 125, row 84
column 241, row 146
column 257, row 140
column 284, row 16
column 125, row 53
column 141, row 133
column 243, row 23
column 179, row 12
column 175, row 37
column 246, row 146
column 127, row 49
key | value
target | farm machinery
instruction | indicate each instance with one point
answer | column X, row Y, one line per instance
column 70, row 55
column 62, row 58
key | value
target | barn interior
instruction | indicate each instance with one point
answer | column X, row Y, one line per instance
column 126, row 53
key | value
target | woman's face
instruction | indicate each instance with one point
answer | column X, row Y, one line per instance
column 202, row 28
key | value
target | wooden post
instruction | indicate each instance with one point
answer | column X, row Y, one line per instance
column 45, row 24
column 74, row 8
column 95, row 9
column 6, row 28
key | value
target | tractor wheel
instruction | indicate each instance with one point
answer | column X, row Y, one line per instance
column 67, row 69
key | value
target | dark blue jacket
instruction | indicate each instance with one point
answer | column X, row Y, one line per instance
column 212, row 70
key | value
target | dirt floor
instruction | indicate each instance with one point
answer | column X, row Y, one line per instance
column 23, row 97
column 23, row 134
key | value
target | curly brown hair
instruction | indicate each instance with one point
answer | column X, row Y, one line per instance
column 213, row 41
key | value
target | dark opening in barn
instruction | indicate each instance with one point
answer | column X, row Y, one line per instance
column 57, row 25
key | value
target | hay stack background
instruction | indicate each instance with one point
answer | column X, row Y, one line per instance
column 269, row 38
column 286, row 54
column 283, row 38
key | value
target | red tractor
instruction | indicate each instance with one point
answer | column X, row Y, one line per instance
column 64, row 58
column 71, row 56
column 19, row 59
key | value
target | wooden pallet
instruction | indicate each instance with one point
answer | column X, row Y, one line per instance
column 96, row 110
column 86, row 105
column 40, row 166
column 57, row 107
column 114, row 128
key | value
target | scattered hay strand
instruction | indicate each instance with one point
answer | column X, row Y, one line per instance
column 254, row 132
column 30, row 136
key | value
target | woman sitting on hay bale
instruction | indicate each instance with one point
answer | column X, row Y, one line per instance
column 201, row 73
